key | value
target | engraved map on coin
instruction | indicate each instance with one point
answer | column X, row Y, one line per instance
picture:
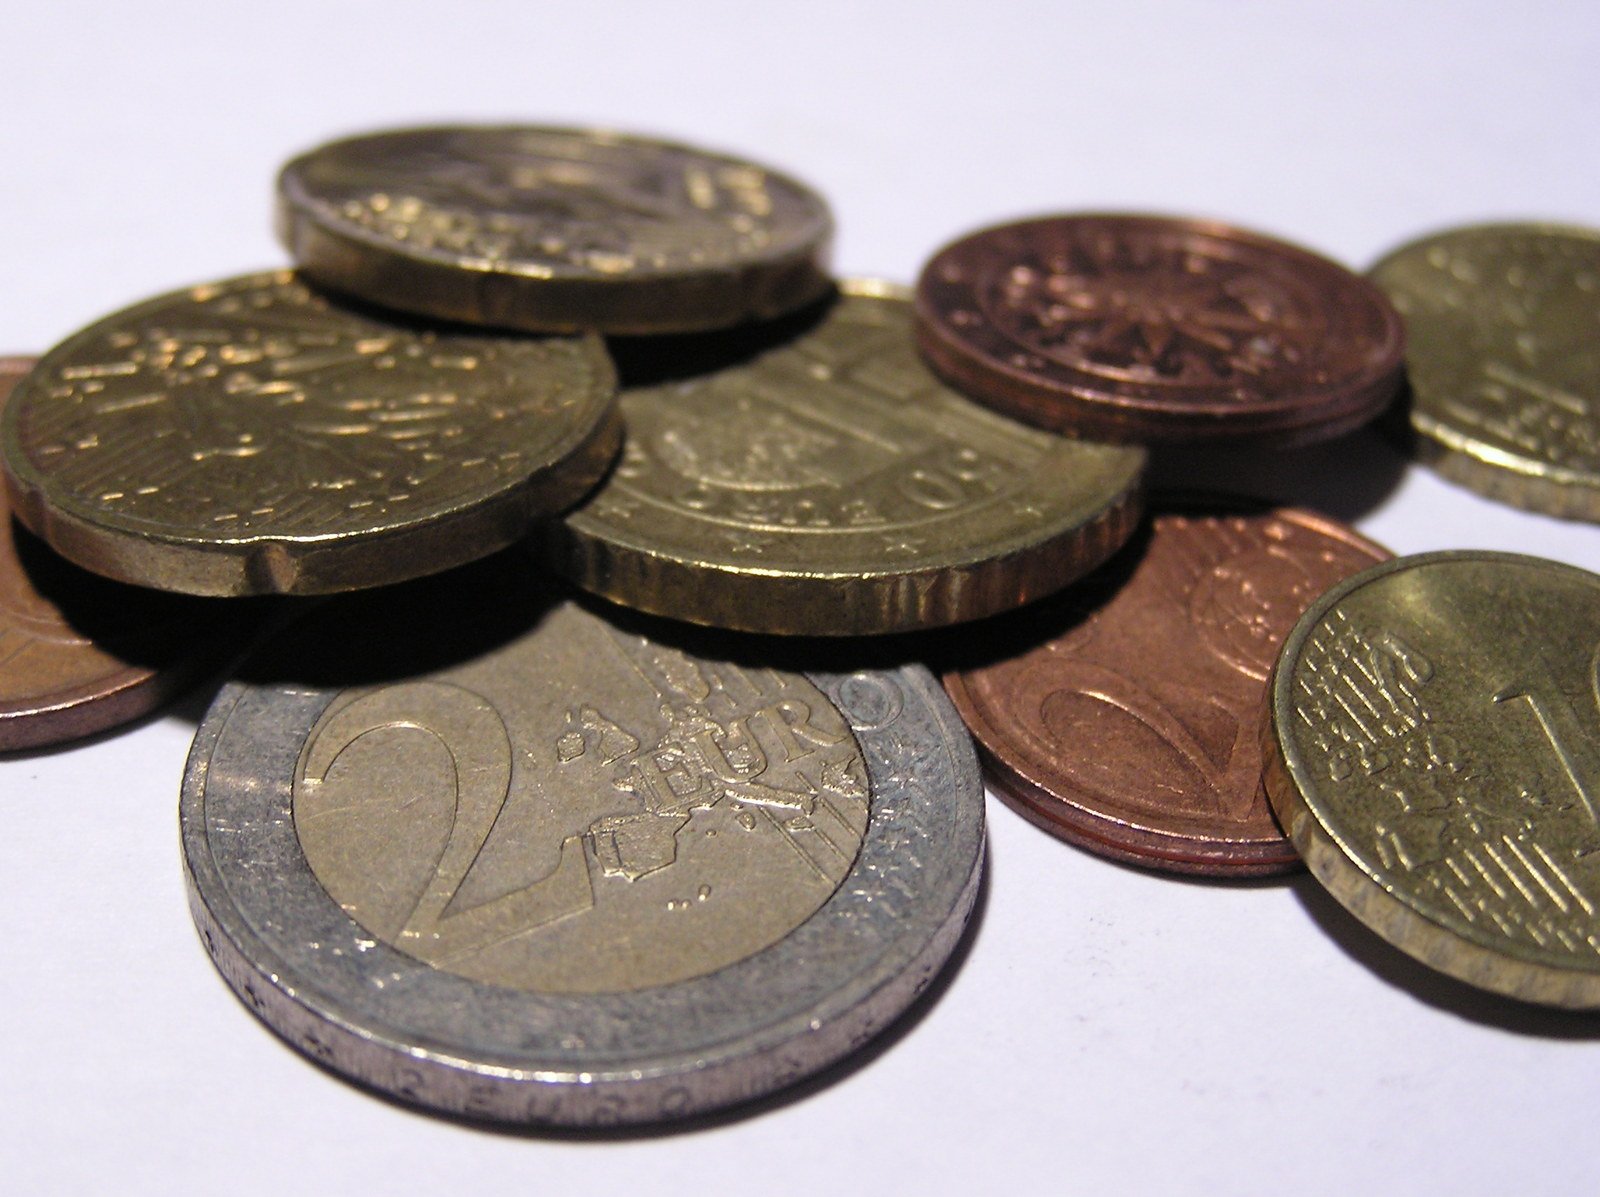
column 834, row 464
column 253, row 412
column 551, row 839
column 1439, row 717
column 1504, row 359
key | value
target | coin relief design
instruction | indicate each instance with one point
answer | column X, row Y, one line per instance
column 1131, row 724
column 1504, row 359
column 550, row 229
column 831, row 484
column 654, row 882
column 1149, row 328
column 1436, row 718
column 231, row 436
column 554, row 840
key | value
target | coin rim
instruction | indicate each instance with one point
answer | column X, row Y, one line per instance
column 360, row 262
column 1363, row 891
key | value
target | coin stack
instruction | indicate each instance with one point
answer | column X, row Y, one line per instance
column 583, row 800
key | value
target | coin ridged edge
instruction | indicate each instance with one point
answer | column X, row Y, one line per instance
column 362, row 263
column 753, row 598
column 1364, row 893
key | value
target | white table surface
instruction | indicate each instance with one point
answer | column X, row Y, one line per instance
column 1104, row 1028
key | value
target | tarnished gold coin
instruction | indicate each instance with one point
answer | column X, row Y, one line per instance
column 554, row 230
column 1433, row 751
column 248, row 436
column 1503, row 354
column 817, row 479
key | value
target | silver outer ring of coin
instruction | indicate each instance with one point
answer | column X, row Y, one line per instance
column 434, row 1039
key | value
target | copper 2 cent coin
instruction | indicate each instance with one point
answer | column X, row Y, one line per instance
column 1127, row 717
column 78, row 653
column 1146, row 328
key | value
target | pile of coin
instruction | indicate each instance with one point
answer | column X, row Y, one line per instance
column 586, row 798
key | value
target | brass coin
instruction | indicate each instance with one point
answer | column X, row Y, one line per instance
column 78, row 653
column 826, row 483
column 1433, row 753
column 554, row 230
column 248, row 436
column 1503, row 354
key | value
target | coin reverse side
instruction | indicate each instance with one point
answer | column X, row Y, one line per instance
column 1129, row 722
column 823, row 482
column 80, row 654
column 652, row 885
column 250, row 437
column 1503, row 357
column 1432, row 752
column 1146, row 328
column 554, row 230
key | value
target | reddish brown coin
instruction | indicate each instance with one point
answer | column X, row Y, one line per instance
column 1145, row 328
column 1129, row 721
column 78, row 653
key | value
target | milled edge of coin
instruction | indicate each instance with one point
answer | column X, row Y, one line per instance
column 347, row 258
column 712, row 1075
column 308, row 564
column 1489, row 470
column 1074, row 410
column 1159, row 850
column 1362, row 892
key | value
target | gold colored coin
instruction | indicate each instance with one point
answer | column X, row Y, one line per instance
column 249, row 437
column 821, row 481
column 1503, row 355
column 1433, row 751
column 554, row 230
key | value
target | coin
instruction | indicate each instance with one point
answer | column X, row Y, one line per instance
column 814, row 478
column 554, row 230
column 1145, row 328
column 653, row 884
column 248, row 436
column 1432, row 753
column 1503, row 323
column 80, row 654
column 1127, row 718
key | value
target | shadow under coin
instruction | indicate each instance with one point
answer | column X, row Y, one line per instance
column 1431, row 987
column 1348, row 477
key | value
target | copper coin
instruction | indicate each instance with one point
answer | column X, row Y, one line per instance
column 1145, row 328
column 1128, row 719
column 78, row 653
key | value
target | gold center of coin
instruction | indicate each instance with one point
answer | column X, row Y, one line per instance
column 588, row 812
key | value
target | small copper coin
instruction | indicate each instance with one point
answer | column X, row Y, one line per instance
column 1145, row 328
column 80, row 654
column 1128, row 720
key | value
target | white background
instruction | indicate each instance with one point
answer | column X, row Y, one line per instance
column 1105, row 1028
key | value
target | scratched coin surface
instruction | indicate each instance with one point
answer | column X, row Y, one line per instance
column 653, row 884
column 1433, row 753
column 815, row 478
column 1144, row 328
column 1503, row 358
column 554, row 230
column 1125, row 716
column 248, row 436
column 80, row 654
